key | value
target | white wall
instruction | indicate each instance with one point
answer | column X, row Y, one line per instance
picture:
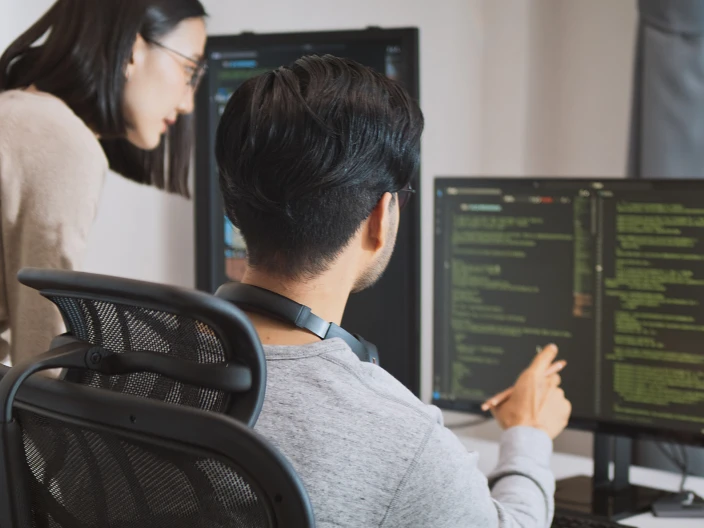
column 557, row 86
column 508, row 87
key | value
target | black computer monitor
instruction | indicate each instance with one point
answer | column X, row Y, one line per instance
column 388, row 314
column 612, row 271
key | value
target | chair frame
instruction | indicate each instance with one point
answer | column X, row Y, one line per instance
column 191, row 431
column 232, row 327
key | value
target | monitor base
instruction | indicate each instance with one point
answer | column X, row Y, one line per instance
column 578, row 494
column 681, row 505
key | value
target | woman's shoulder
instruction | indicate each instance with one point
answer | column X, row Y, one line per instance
column 47, row 156
column 31, row 117
column 17, row 102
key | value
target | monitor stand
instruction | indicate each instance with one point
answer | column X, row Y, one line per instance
column 602, row 495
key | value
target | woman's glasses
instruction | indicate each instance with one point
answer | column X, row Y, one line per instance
column 196, row 71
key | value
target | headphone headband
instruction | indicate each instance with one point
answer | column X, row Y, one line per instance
column 271, row 304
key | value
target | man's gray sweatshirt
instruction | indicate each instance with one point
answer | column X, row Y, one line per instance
column 371, row 454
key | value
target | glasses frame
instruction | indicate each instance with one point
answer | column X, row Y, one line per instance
column 200, row 67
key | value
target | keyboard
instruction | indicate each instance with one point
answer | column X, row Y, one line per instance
column 568, row 520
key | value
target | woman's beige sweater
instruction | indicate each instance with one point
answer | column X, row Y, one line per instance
column 52, row 170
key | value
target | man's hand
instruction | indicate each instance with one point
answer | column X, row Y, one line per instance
column 537, row 400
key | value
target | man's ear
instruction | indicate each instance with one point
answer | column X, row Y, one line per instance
column 377, row 225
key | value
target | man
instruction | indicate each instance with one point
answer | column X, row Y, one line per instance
column 315, row 160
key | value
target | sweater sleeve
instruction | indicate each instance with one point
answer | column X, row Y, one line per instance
column 52, row 172
column 444, row 487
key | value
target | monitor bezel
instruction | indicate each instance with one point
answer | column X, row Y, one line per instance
column 209, row 226
column 607, row 427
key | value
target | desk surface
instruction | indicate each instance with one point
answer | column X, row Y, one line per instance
column 564, row 465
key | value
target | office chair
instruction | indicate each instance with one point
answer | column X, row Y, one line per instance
column 73, row 456
column 212, row 342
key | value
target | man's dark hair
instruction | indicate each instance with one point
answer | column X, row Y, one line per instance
column 82, row 61
column 306, row 152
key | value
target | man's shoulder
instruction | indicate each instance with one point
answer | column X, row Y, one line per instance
column 331, row 367
column 343, row 401
column 352, row 432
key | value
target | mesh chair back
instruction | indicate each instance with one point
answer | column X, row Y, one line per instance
column 84, row 478
column 124, row 315
column 123, row 328
column 100, row 459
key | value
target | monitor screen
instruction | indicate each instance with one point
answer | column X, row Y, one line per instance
column 610, row 271
column 388, row 314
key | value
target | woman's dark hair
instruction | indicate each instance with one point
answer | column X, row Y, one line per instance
column 304, row 155
column 82, row 60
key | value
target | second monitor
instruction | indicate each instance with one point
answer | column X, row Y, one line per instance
column 610, row 271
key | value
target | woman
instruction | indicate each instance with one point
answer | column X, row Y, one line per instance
column 92, row 85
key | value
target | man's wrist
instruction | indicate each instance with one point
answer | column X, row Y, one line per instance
column 524, row 422
column 526, row 441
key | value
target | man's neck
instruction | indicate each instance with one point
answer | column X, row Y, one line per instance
column 326, row 296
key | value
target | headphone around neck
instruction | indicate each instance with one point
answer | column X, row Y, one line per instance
column 265, row 302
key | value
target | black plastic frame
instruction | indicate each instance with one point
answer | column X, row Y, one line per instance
column 191, row 431
column 601, row 427
column 233, row 328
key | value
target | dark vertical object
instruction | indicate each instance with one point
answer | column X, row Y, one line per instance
column 603, row 495
column 667, row 120
column 388, row 314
